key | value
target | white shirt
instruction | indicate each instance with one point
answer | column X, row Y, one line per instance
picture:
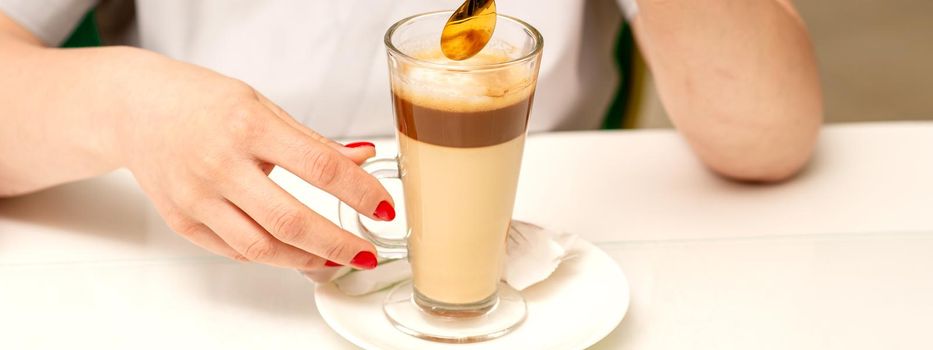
column 324, row 61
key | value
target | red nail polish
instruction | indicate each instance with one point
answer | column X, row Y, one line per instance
column 331, row 264
column 360, row 144
column 365, row 260
column 385, row 211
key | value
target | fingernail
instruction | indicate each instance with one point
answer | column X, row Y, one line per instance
column 360, row 144
column 364, row 260
column 331, row 264
column 385, row 211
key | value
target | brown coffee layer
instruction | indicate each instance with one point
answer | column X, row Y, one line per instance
column 461, row 129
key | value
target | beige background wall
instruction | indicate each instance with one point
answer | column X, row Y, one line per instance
column 875, row 56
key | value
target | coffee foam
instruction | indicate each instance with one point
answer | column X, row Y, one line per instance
column 458, row 91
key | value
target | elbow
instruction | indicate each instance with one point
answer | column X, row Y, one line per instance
column 769, row 153
column 7, row 192
column 763, row 168
column 12, row 186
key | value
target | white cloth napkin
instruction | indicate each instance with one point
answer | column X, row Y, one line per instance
column 533, row 253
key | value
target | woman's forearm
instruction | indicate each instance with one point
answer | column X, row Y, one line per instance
column 738, row 78
column 59, row 110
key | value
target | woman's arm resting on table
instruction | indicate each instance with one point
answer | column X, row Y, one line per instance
column 56, row 116
column 199, row 144
column 738, row 79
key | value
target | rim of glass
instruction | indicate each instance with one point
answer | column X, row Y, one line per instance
column 535, row 35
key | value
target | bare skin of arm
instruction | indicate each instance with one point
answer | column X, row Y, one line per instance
column 738, row 79
column 200, row 145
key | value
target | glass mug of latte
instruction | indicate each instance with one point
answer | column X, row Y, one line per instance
column 461, row 129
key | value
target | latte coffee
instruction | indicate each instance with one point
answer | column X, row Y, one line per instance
column 461, row 136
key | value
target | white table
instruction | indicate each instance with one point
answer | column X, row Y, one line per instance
column 839, row 258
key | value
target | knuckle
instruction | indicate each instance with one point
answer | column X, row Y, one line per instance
column 231, row 254
column 365, row 194
column 337, row 251
column 243, row 122
column 239, row 88
column 174, row 218
column 239, row 257
column 186, row 228
column 190, row 198
column 260, row 249
column 288, row 225
column 212, row 166
column 181, row 224
column 323, row 168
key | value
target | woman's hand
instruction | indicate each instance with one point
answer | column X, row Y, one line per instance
column 201, row 146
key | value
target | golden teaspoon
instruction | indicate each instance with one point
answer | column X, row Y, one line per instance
column 468, row 30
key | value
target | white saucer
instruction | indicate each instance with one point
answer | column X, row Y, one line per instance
column 578, row 305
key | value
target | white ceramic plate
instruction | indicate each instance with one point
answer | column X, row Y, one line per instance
column 578, row 305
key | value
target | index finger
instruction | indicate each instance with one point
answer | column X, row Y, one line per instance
column 326, row 169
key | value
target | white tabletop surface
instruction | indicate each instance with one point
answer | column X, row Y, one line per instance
column 839, row 258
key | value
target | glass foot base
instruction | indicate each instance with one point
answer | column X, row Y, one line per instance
column 507, row 313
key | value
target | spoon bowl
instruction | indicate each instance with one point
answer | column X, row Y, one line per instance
column 469, row 29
